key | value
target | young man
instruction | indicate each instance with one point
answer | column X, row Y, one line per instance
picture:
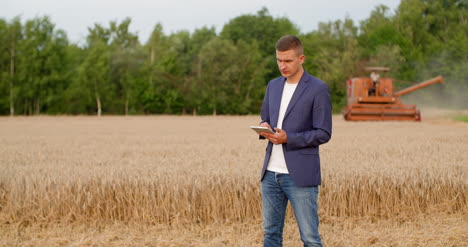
column 298, row 107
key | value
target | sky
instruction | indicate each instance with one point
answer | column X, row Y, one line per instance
column 75, row 16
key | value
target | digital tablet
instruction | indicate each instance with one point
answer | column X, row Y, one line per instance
column 260, row 129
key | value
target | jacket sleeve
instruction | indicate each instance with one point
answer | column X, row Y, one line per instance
column 321, row 124
column 265, row 111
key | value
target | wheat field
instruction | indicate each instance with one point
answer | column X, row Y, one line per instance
column 194, row 181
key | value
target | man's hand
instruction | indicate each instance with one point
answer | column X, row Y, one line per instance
column 266, row 124
column 277, row 138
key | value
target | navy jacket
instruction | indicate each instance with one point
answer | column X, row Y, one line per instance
column 307, row 122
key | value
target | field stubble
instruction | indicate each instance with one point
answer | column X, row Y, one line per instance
column 194, row 181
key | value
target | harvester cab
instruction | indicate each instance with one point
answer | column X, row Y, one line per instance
column 372, row 98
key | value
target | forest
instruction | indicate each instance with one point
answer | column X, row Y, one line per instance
column 210, row 71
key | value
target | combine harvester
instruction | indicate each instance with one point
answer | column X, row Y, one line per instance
column 373, row 99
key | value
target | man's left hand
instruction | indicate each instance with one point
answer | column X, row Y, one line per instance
column 277, row 138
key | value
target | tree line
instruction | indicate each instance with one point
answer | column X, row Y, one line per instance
column 205, row 72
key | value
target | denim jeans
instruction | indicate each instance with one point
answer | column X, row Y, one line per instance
column 277, row 189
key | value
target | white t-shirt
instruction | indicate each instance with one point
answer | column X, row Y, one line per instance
column 277, row 163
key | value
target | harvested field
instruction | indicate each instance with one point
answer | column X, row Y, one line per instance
column 194, row 181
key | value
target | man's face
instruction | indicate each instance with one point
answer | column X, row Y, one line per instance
column 289, row 62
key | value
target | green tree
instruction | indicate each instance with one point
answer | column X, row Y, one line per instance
column 124, row 62
column 161, row 67
column 206, row 73
column 383, row 44
column 216, row 58
column 232, row 77
column 247, row 88
column 77, row 97
column 13, row 37
column 40, row 65
column 192, row 67
column 94, row 71
column 438, row 30
column 4, row 67
column 263, row 29
column 332, row 54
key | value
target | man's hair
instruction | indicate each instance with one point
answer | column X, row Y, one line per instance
column 290, row 42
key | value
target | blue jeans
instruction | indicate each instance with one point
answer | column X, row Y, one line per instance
column 277, row 189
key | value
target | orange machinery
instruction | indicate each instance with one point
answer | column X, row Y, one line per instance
column 372, row 98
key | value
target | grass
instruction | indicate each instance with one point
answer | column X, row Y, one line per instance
column 462, row 118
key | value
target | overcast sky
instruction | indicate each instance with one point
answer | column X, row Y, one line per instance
column 74, row 16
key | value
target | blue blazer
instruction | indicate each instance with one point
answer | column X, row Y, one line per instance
column 307, row 122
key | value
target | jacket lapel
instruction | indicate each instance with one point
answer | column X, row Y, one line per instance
column 303, row 84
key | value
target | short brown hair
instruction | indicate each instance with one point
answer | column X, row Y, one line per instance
column 290, row 42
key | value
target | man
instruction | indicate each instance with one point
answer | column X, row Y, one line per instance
column 298, row 107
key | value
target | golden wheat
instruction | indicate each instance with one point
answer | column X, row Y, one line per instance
column 205, row 170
